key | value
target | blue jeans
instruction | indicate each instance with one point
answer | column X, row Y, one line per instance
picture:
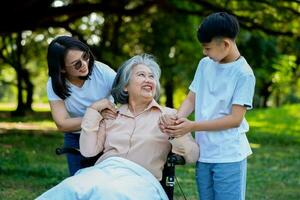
column 74, row 161
column 221, row 181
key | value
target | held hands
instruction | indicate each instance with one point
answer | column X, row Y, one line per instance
column 106, row 108
column 174, row 127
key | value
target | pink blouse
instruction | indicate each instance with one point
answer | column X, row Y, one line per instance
column 136, row 138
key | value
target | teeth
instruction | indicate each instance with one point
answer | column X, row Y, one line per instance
column 147, row 87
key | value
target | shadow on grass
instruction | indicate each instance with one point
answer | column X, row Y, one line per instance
column 6, row 116
column 28, row 153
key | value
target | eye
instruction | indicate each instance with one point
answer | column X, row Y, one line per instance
column 141, row 74
column 85, row 56
column 77, row 65
column 151, row 76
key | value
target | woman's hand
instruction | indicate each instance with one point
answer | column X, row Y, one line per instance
column 109, row 114
column 106, row 108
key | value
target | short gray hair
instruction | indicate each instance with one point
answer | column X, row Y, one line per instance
column 124, row 74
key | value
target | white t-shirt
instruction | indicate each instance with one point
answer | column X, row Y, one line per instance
column 217, row 87
column 97, row 87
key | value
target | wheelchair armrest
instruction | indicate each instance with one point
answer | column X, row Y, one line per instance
column 85, row 161
column 63, row 150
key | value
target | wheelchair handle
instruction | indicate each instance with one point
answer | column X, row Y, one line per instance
column 63, row 150
column 175, row 159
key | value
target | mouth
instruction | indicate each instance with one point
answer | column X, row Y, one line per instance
column 83, row 69
column 147, row 87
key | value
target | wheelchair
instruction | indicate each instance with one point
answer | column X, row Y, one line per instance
column 168, row 176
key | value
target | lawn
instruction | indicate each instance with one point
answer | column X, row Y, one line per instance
column 29, row 166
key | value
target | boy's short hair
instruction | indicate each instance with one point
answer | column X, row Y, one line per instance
column 220, row 24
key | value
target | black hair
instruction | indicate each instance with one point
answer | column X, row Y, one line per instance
column 220, row 24
column 57, row 50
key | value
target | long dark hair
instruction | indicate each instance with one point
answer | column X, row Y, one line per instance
column 57, row 51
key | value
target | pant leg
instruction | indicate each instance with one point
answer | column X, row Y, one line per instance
column 74, row 161
column 230, row 180
column 204, row 180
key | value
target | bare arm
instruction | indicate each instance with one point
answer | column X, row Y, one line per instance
column 188, row 106
column 62, row 119
column 232, row 120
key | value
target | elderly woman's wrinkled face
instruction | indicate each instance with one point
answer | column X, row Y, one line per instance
column 142, row 83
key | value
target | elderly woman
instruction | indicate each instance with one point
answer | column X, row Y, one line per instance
column 134, row 148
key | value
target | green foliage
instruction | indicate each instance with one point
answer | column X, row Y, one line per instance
column 167, row 30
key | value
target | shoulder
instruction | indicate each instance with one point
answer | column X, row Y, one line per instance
column 49, row 84
column 102, row 68
column 204, row 61
column 168, row 110
column 203, row 65
column 244, row 68
column 50, row 92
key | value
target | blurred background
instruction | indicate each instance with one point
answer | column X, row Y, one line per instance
column 118, row 29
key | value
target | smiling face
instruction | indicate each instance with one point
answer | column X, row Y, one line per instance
column 76, row 64
column 142, row 85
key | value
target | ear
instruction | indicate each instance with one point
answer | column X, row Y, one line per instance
column 227, row 43
column 125, row 89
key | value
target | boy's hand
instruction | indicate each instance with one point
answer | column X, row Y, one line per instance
column 181, row 127
column 165, row 120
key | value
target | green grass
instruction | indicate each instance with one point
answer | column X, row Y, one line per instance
column 29, row 166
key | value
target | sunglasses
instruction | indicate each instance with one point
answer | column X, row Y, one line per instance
column 84, row 57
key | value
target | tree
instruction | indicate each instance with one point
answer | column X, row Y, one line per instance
column 162, row 27
column 11, row 52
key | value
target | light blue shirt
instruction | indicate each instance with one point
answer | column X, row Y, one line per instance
column 96, row 87
column 217, row 87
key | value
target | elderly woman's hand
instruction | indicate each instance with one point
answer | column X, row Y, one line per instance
column 106, row 108
column 165, row 120
column 181, row 127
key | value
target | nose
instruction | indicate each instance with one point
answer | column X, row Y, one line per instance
column 147, row 79
column 84, row 63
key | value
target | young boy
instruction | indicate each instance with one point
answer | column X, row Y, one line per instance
column 220, row 94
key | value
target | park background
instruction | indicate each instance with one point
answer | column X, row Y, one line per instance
column 118, row 29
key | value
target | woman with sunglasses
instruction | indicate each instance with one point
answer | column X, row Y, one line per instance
column 75, row 81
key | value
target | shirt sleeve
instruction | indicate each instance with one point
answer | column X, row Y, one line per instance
column 244, row 91
column 50, row 92
column 195, row 83
column 92, row 135
column 185, row 145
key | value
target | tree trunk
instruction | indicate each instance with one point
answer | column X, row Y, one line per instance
column 169, row 89
column 265, row 94
column 29, row 90
column 20, row 111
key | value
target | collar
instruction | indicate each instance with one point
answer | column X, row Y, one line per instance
column 124, row 109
